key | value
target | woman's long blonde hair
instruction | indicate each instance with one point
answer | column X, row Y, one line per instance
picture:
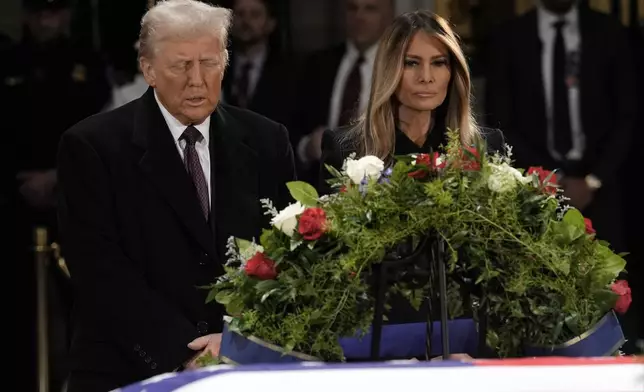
column 375, row 129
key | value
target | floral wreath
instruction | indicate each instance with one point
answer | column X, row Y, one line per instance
column 544, row 275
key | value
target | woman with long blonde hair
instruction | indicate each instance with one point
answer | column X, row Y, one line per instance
column 420, row 87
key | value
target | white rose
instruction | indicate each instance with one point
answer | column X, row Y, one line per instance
column 286, row 220
column 505, row 178
column 369, row 167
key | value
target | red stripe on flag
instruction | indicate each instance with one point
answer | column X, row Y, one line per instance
column 560, row 361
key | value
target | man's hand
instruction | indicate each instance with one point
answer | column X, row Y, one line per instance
column 203, row 345
column 314, row 147
column 578, row 192
column 38, row 187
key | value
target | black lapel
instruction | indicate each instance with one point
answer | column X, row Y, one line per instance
column 266, row 76
column 237, row 208
column 589, row 58
column 332, row 67
column 228, row 81
column 162, row 164
column 213, row 179
column 531, row 60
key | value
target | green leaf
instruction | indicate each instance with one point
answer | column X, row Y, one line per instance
column 606, row 298
column 223, row 297
column 212, row 296
column 242, row 244
column 235, row 307
column 574, row 218
column 573, row 233
column 608, row 269
column 295, row 244
column 266, row 285
column 316, row 314
column 562, row 265
column 289, row 346
column 268, row 294
column 334, row 172
column 266, row 237
column 298, row 270
column 572, row 322
column 492, row 339
column 303, row 192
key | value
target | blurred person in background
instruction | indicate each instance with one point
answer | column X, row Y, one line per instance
column 49, row 71
column 130, row 91
column 260, row 76
column 337, row 81
column 561, row 86
column 47, row 83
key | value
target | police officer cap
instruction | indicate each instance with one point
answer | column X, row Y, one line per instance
column 39, row 5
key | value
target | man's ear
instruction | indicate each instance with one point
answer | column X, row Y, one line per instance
column 148, row 71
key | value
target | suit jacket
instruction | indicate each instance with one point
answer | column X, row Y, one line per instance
column 275, row 90
column 137, row 244
column 515, row 97
column 315, row 89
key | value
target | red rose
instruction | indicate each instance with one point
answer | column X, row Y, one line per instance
column 430, row 162
column 437, row 164
column 261, row 267
column 312, row 224
column 418, row 174
column 423, row 159
column 624, row 300
column 471, row 163
column 343, row 189
column 549, row 187
column 589, row 226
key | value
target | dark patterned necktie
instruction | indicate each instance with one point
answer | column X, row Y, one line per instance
column 560, row 105
column 242, row 85
column 191, row 160
column 351, row 94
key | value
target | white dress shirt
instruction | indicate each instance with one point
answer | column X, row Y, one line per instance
column 346, row 66
column 128, row 92
column 177, row 128
column 572, row 42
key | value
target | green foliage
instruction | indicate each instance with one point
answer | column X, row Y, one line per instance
column 544, row 279
column 208, row 359
column 303, row 192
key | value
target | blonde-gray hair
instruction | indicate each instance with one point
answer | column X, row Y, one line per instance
column 375, row 129
column 178, row 19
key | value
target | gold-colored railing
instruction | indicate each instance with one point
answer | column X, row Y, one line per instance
column 44, row 254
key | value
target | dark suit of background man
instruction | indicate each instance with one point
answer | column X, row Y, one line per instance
column 150, row 193
column 337, row 81
column 260, row 76
column 560, row 85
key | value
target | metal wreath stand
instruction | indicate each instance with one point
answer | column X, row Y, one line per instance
column 422, row 265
